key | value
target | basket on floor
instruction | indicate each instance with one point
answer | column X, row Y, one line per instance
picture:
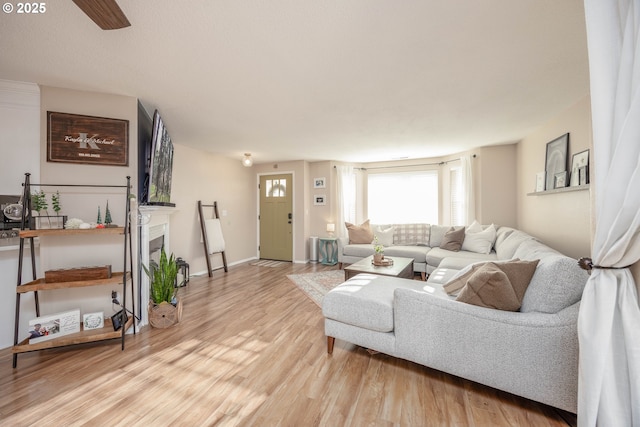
column 164, row 315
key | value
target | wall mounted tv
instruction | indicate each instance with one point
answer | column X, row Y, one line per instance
column 158, row 166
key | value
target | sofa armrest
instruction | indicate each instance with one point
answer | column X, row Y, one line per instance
column 342, row 242
column 534, row 355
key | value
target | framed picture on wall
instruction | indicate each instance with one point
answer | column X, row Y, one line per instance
column 578, row 160
column 319, row 200
column 319, row 182
column 556, row 159
column 74, row 138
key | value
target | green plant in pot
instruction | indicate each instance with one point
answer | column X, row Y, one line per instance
column 164, row 308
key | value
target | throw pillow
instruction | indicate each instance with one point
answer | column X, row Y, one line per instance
column 458, row 281
column 499, row 286
column 452, row 240
column 479, row 240
column 384, row 235
column 359, row 233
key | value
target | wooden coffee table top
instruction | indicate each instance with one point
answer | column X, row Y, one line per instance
column 402, row 267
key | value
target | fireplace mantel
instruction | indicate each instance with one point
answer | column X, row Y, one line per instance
column 151, row 217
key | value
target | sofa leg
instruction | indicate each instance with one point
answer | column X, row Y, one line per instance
column 330, row 342
column 339, row 266
column 423, row 275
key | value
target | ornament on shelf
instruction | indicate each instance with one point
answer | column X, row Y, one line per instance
column 107, row 216
column 99, row 220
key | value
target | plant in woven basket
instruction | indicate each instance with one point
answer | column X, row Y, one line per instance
column 162, row 278
column 164, row 308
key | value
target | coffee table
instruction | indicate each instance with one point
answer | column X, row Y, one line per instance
column 402, row 267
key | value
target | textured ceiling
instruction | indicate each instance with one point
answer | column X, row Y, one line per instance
column 350, row 80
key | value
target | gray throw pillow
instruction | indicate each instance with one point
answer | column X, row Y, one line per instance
column 452, row 240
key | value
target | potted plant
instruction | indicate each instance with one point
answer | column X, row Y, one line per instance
column 378, row 256
column 165, row 309
column 39, row 204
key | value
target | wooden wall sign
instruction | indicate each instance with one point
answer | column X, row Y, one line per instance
column 73, row 138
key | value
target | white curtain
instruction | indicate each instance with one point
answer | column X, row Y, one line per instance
column 346, row 199
column 609, row 320
column 469, row 200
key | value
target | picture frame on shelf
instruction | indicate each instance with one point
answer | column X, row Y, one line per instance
column 583, row 175
column 560, row 180
column 319, row 182
column 46, row 328
column 319, row 200
column 556, row 159
column 93, row 320
column 540, row 178
column 578, row 160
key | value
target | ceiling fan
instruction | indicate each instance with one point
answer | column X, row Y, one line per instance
column 106, row 13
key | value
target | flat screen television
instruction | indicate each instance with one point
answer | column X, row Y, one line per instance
column 158, row 181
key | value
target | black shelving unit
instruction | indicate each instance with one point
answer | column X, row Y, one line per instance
column 39, row 284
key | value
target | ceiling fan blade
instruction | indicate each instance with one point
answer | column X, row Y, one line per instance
column 106, row 13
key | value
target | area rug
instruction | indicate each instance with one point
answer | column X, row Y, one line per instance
column 270, row 263
column 316, row 285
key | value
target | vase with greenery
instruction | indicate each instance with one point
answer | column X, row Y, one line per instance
column 164, row 308
column 378, row 256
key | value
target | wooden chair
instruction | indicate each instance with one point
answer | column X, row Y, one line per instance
column 212, row 236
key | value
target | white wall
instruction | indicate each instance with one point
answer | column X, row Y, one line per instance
column 83, row 203
column 199, row 175
column 562, row 220
column 20, row 142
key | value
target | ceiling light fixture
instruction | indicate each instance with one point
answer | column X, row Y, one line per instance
column 247, row 161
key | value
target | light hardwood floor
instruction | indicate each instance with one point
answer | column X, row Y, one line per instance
column 249, row 351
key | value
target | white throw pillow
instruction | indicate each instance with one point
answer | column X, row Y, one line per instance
column 385, row 236
column 478, row 240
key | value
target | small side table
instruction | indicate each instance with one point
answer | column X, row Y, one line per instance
column 328, row 248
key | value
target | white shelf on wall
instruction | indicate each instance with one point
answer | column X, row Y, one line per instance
column 560, row 190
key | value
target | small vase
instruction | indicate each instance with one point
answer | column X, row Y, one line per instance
column 377, row 258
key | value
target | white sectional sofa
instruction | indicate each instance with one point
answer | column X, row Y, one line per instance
column 418, row 241
column 532, row 352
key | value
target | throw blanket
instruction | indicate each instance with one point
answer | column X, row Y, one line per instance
column 215, row 241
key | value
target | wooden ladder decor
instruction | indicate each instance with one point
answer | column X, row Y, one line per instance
column 213, row 240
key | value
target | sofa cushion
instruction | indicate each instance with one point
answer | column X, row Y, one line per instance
column 384, row 234
column 458, row 280
column 359, row 233
column 436, row 234
column 436, row 255
column 360, row 250
column 533, row 249
column 366, row 301
column 497, row 285
column 557, row 283
column 502, row 233
column 418, row 253
column 411, row 234
column 477, row 239
column 452, row 240
column 506, row 249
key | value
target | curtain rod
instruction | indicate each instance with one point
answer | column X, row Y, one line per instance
column 419, row 164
